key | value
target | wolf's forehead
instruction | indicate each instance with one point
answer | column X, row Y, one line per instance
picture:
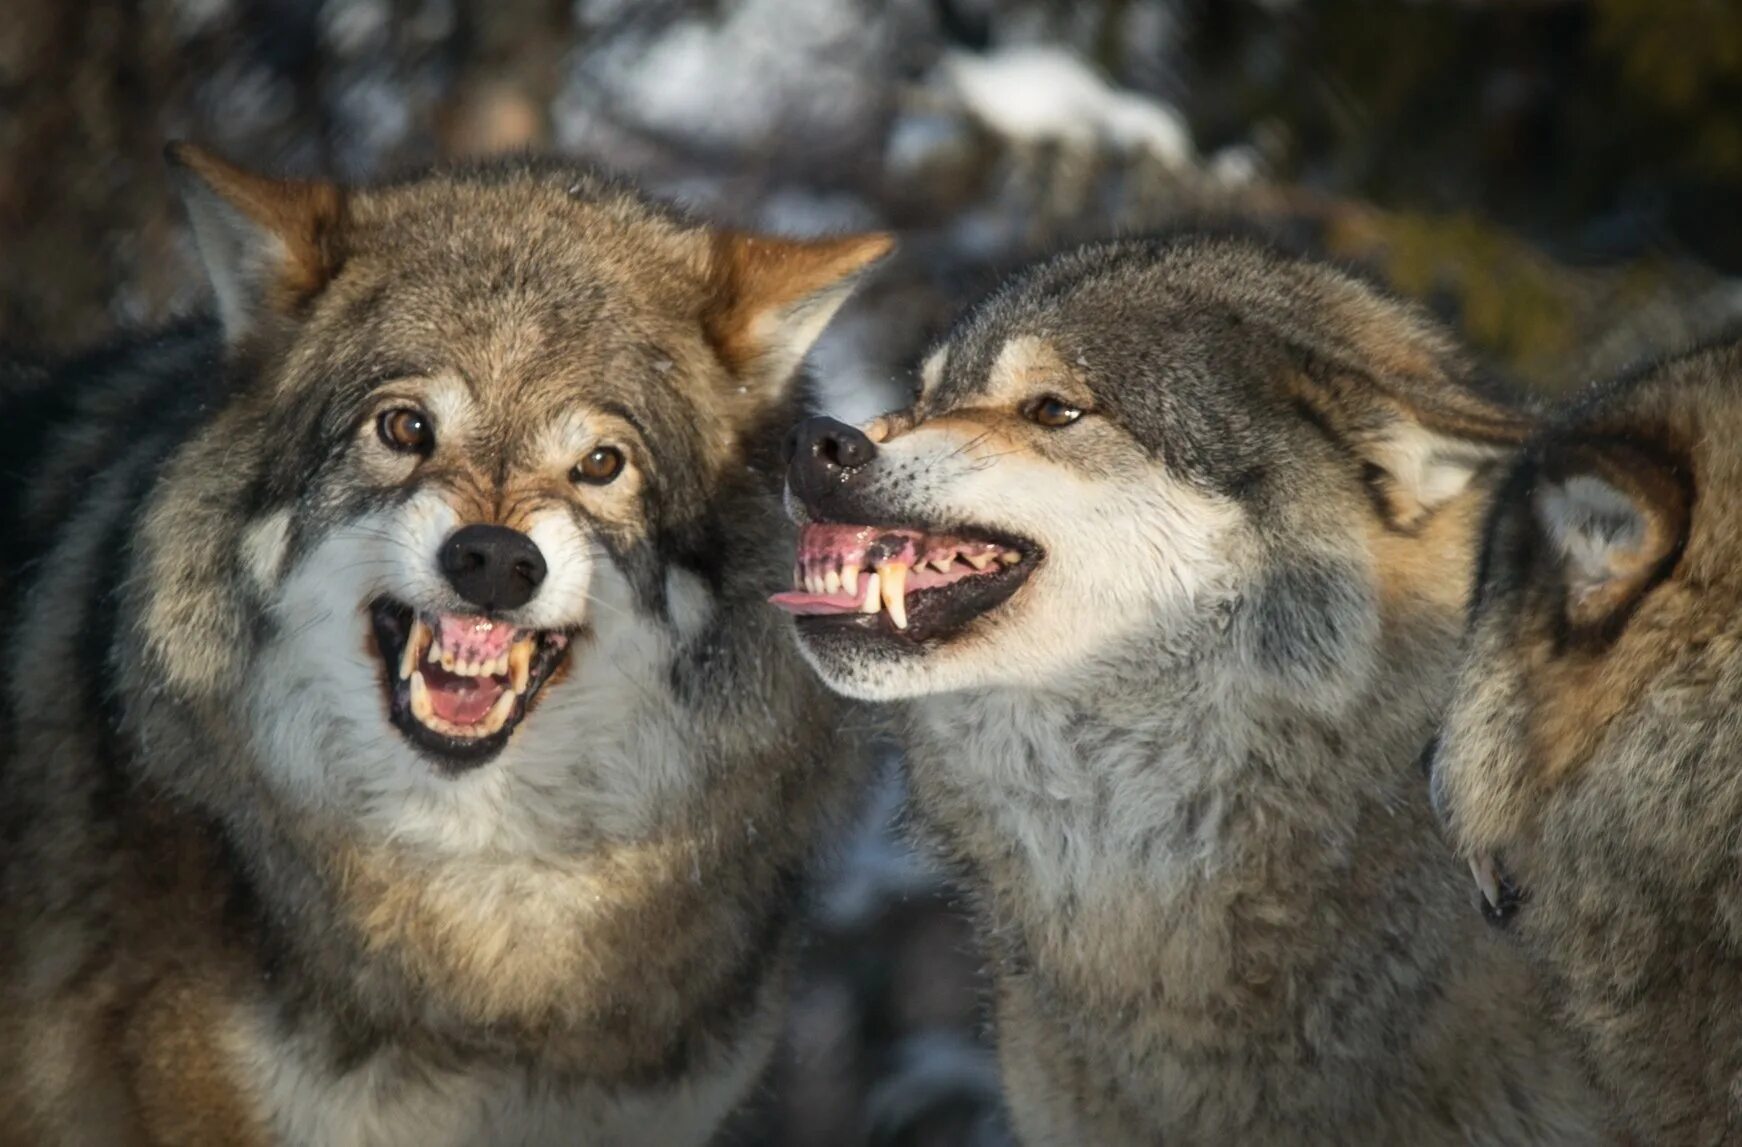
column 1001, row 370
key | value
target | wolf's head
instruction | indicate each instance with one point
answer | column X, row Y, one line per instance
column 490, row 432
column 1138, row 449
column 1601, row 661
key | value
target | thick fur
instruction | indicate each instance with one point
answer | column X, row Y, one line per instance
column 1178, row 769
column 1590, row 757
column 236, row 905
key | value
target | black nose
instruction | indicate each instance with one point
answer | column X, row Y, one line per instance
column 821, row 452
column 493, row 567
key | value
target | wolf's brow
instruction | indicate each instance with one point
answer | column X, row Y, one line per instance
column 627, row 415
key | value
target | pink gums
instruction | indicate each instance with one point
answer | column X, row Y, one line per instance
column 475, row 638
column 826, row 548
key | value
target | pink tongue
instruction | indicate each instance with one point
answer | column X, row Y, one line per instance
column 464, row 700
column 806, row 604
column 475, row 638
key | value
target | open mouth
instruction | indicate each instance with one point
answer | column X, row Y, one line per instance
column 459, row 684
column 902, row 581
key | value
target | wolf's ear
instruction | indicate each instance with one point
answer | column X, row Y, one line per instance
column 269, row 245
column 772, row 297
column 1614, row 517
column 1389, row 385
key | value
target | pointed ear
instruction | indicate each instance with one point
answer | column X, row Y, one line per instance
column 269, row 245
column 1614, row 517
column 772, row 297
column 1398, row 399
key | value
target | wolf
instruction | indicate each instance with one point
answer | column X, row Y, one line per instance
column 1582, row 766
column 400, row 750
column 1163, row 571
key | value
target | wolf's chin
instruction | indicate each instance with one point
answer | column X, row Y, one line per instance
column 458, row 686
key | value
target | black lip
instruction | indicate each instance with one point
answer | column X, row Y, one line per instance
column 392, row 624
column 941, row 613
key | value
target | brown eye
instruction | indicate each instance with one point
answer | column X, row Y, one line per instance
column 599, row 467
column 406, row 430
column 1053, row 412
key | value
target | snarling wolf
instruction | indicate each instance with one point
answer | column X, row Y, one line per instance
column 399, row 749
column 1586, row 766
column 1165, row 569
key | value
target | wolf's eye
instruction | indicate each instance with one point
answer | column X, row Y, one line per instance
column 1053, row 412
column 599, row 467
column 406, row 430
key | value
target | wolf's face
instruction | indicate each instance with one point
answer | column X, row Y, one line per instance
column 1139, row 449
column 499, row 461
column 1601, row 669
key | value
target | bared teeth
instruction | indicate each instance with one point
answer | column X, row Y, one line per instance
column 943, row 564
column 420, row 703
column 831, row 582
column 850, row 579
column 520, row 665
column 872, row 602
column 1009, row 557
column 420, row 636
column 978, row 561
column 894, row 591
column 498, row 714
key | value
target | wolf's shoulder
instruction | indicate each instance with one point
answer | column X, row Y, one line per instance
column 63, row 421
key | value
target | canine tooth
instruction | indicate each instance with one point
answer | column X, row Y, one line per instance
column 420, row 705
column 850, row 579
column 408, row 656
column 498, row 714
column 1009, row 557
column 520, row 665
column 978, row 561
column 894, row 575
column 872, row 602
column 831, row 582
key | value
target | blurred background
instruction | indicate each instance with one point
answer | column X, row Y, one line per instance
column 1561, row 179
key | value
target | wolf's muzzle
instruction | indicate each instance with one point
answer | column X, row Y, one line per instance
column 493, row 567
column 821, row 454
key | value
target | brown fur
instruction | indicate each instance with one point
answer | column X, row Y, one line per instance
column 1590, row 753
column 236, row 906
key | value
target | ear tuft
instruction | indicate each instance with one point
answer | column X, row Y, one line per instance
column 1615, row 518
column 773, row 297
column 269, row 245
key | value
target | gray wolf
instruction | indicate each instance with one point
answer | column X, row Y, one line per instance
column 1584, row 766
column 1164, row 571
column 399, row 748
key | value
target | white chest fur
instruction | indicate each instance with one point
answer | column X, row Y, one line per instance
column 1088, row 802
